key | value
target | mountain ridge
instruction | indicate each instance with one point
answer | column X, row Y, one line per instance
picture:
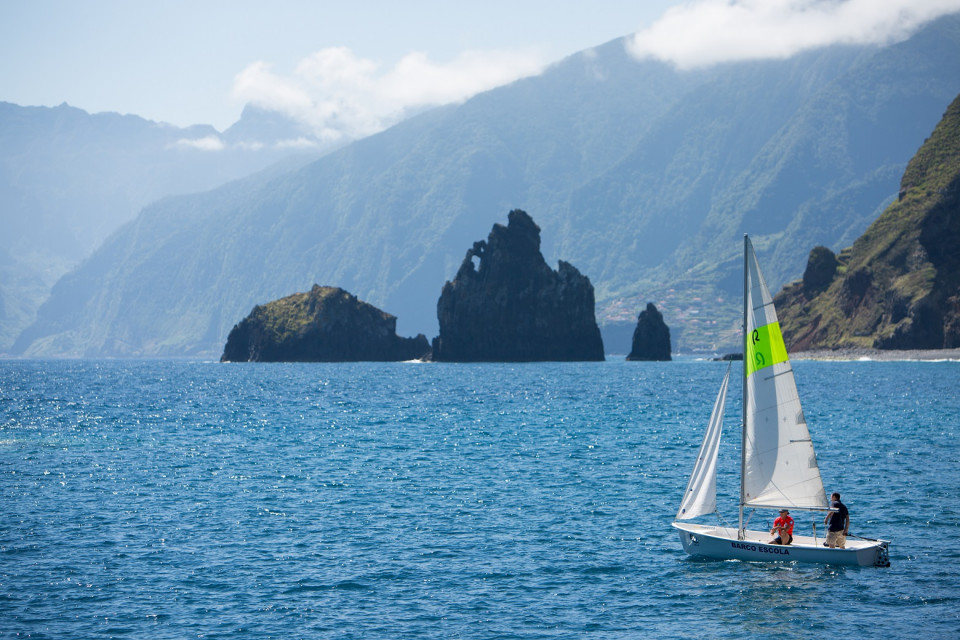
column 898, row 285
column 641, row 175
column 69, row 178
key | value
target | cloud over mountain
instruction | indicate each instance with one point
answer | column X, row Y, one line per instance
column 341, row 95
column 206, row 143
column 709, row 32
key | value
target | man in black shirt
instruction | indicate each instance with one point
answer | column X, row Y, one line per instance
column 838, row 522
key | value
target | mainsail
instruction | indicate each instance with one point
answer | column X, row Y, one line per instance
column 779, row 464
column 701, row 494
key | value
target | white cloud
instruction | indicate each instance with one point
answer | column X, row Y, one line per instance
column 296, row 143
column 708, row 32
column 208, row 143
column 340, row 95
column 258, row 83
column 248, row 145
column 215, row 143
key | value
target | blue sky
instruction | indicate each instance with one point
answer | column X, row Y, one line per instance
column 363, row 62
column 176, row 60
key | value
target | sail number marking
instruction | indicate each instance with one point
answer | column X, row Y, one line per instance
column 765, row 347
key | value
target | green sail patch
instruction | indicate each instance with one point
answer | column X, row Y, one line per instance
column 765, row 347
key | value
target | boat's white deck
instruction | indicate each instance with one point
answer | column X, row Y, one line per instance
column 765, row 537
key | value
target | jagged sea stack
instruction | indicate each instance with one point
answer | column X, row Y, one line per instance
column 513, row 307
column 326, row 324
column 651, row 338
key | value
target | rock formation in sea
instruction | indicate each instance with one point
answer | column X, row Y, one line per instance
column 326, row 324
column 507, row 305
column 898, row 286
column 651, row 338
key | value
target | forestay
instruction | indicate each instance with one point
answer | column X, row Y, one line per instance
column 779, row 464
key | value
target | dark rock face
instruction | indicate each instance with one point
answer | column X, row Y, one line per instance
column 898, row 286
column 951, row 324
column 821, row 267
column 327, row 324
column 651, row 338
column 512, row 307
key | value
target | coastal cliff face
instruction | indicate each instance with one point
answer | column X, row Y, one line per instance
column 326, row 324
column 651, row 338
column 898, row 286
column 511, row 307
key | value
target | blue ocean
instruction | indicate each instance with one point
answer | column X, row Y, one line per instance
column 188, row 499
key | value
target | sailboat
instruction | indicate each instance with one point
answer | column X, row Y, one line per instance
column 778, row 466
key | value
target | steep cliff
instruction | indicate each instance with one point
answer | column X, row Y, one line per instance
column 651, row 338
column 647, row 177
column 513, row 307
column 326, row 324
column 898, row 286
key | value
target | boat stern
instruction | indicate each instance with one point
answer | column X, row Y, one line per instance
column 880, row 556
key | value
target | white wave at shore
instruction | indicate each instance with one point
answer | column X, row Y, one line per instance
column 878, row 354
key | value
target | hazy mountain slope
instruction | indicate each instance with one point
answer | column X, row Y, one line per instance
column 69, row 178
column 676, row 179
column 642, row 176
column 820, row 177
column 898, row 286
column 387, row 216
column 845, row 149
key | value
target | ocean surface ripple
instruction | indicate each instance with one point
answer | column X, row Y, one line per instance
column 186, row 499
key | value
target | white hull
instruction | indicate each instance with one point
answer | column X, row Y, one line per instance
column 722, row 543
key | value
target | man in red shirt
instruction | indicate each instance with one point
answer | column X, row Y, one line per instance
column 782, row 528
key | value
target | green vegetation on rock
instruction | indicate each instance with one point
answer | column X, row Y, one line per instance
column 898, row 286
column 326, row 324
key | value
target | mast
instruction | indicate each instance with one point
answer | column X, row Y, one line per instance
column 743, row 405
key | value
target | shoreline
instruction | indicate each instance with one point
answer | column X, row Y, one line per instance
column 885, row 355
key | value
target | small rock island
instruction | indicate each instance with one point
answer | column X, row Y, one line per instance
column 326, row 324
column 512, row 307
column 651, row 338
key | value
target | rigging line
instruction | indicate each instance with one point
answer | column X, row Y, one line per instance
column 765, row 304
column 721, row 520
column 850, row 535
column 780, row 446
column 782, row 373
